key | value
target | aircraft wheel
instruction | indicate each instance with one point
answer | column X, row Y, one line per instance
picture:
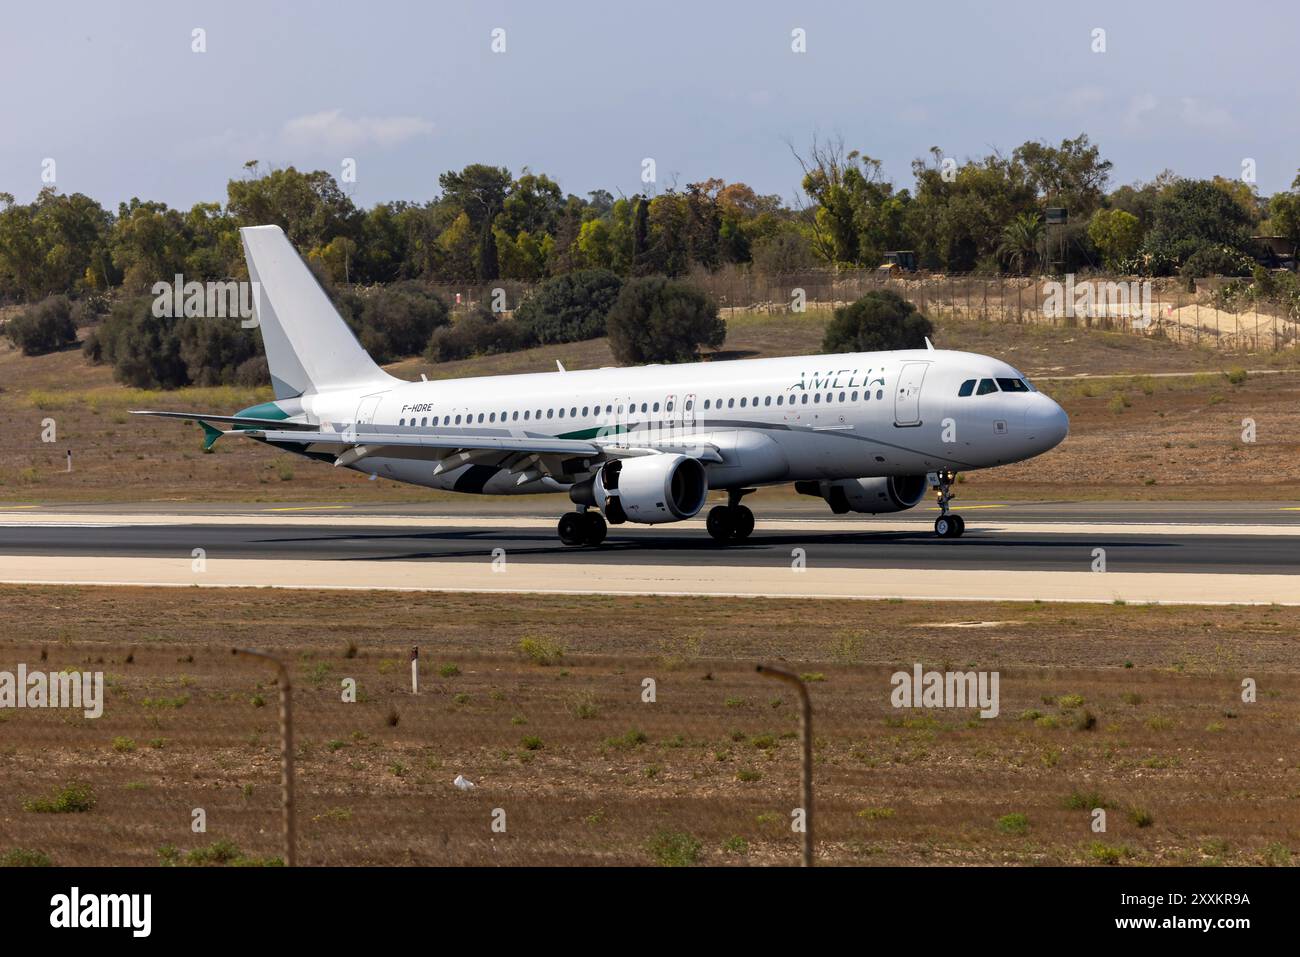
column 718, row 523
column 742, row 522
column 961, row 525
column 594, row 528
column 571, row 528
column 944, row 526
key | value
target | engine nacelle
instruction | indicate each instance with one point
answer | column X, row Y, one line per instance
column 874, row 496
column 649, row 489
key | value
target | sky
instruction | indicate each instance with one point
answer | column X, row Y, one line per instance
column 117, row 96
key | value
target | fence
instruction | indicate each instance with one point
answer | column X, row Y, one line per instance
column 1161, row 308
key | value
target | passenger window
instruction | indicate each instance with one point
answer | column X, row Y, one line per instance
column 458, row 420
column 841, row 396
column 573, row 412
column 668, row 407
column 561, row 413
column 690, row 404
column 780, row 400
column 656, row 407
column 1012, row 385
column 643, row 407
column 731, row 403
column 986, row 386
column 706, row 403
column 424, row 422
column 880, row 393
column 853, row 396
column 492, row 417
column 401, row 422
column 584, row 411
column 767, row 400
column 967, row 388
column 550, row 413
column 514, row 416
column 743, row 400
column 817, row 397
column 805, row 398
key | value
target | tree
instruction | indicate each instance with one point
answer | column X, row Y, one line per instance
column 858, row 216
column 309, row 207
column 1116, row 234
column 149, row 243
column 956, row 218
column 880, row 321
column 1021, row 239
column 1190, row 215
column 479, row 190
column 1072, row 175
column 1284, row 216
column 44, row 327
column 569, row 308
column 660, row 320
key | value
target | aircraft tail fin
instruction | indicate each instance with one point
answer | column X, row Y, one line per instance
column 309, row 348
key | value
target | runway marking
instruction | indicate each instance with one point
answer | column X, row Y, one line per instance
column 707, row 581
column 18, row 506
column 967, row 508
column 306, row 508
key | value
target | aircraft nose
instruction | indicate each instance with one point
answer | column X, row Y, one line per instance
column 1046, row 423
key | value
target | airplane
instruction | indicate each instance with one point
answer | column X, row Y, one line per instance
column 868, row 432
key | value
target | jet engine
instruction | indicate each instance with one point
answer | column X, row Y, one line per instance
column 649, row 489
column 875, row 496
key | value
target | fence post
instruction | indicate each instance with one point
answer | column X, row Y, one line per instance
column 286, row 749
column 806, row 767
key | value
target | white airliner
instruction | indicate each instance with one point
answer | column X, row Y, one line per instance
column 868, row 432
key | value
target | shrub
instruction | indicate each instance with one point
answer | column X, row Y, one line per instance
column 570, row 307
column 541, row 651
column 45, row 327
column 1216, row 261
column 73, row 799
column 661, row 320
column 674, row 849
column 394, row 321
column 480, row 333
column 1013, row 823
column 878, row 322
column 21, row 857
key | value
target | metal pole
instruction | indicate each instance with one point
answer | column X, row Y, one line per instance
column 805, row 739
column 286, row 749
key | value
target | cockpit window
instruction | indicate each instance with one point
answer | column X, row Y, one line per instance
column 1013, row 385
column 985, row 387
column 967, row 388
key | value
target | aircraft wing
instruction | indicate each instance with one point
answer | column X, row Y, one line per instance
column 548, row 455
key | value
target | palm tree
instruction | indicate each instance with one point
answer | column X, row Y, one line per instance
column 1020, row 241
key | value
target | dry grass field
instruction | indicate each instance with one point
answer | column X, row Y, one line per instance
column 539, row 701
column 1133, row 436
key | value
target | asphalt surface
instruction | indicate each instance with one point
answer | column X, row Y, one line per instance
column 1006, row 548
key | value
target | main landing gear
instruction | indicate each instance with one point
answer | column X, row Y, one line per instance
column 948, row 524
column 732, row 522
column 582, row 528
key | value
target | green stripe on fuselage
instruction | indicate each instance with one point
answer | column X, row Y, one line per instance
column 267, row 410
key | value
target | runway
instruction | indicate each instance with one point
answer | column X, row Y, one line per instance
column 1170, row 552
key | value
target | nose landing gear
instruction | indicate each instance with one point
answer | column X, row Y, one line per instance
column 949, row 524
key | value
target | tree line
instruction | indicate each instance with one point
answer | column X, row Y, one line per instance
column 602, row 265
column 985, row 214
